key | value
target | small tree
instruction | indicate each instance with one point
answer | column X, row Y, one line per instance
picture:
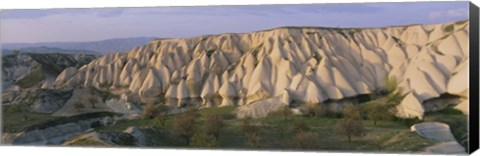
column 78, row 106
column 351, row 124
column 106, row 85
column 184, row 127
column 214, row 125
column 204, row 140
column 93, row 100
column 162, row 116
column 393, row 100
column 300, row 125
column 305, row 140
column 351, row 111
column 384, row 108
column 316, row 111
column 254, row 139
column 377, row 112
column 149, row 111
column 247, row 125
column 350, row 127
column 286, row 112
column 251, row 133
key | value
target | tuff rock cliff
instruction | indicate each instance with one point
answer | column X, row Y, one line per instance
column 292, row 64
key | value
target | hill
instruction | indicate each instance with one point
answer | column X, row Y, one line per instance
column 103, row 46
column 300, row 65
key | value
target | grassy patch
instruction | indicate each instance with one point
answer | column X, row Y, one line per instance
column 20, row 121
column 405, row 141
column 226, row 112
column 141, row 123
column 36, row 76
column 451, row 111
column 277, row 133
column 16, row 118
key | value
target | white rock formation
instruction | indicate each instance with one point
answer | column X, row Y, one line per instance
column 410, row 107
column 314, row 64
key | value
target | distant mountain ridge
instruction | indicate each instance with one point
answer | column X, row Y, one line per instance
column 102, row 46
column 47, row 50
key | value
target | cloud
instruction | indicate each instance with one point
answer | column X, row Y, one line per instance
column 462, row 12
column 453, row 13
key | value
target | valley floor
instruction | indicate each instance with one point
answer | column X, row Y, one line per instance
column 276, row 132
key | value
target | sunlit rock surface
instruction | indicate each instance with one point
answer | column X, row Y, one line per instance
column 305, row 65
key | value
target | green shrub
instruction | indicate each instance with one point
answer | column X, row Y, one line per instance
column 286, row 112
column 450, row 110
column 390, row 84
column 214, row 125
column 351, row 123
column 149, row 111
column 251, row 133
column 306, row 140
column 461, row 22
column 315, row 110
column 201, row 139
column 105, row 95
column 449, row 28
column 184, row 126
column 407, row 122
column 351, row 111
column 300, row 125
column 377, row 112
column 350, row 127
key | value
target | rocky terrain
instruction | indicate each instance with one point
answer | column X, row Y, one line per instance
column 252, row 75
column 300, row 65
column 29, row 70
column 439, row 132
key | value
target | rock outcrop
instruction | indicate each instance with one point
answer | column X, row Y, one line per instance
column 38, row 100
column 53, row 135
column 439, row 132
column 26, row 70
column 303, row 65
column 138, row 134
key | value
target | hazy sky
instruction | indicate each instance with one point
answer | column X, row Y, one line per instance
column 166, row 22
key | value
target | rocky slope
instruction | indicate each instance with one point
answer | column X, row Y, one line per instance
column 26, row 70
column 296, row 64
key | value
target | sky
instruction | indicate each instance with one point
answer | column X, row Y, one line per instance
column 74, row 25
